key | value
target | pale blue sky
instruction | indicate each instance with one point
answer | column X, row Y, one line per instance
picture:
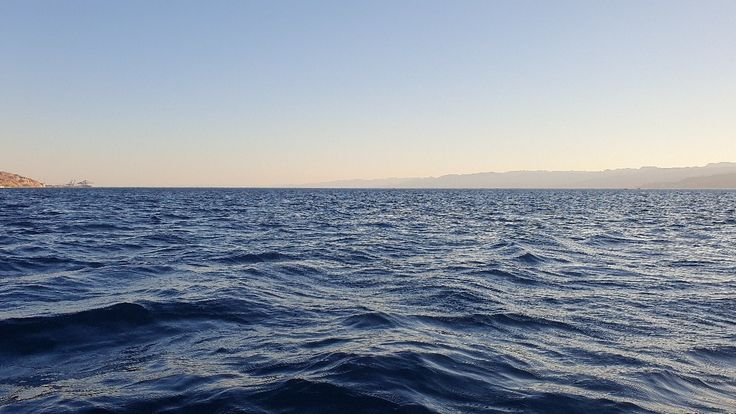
column 239, row 93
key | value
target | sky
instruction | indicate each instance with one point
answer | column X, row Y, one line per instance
column 271, row 93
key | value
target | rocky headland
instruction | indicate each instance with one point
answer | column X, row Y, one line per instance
column 10, row 180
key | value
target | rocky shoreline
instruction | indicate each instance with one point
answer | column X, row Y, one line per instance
column 10, row 180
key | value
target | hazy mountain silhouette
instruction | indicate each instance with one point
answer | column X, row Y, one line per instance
column 710, row 181
column 715, row 175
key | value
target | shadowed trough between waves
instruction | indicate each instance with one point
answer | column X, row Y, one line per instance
column 278, row 301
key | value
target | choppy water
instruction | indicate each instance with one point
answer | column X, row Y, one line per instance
column 277, row 301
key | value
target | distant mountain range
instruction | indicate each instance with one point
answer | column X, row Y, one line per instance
column 715, row 175
column 720, row 175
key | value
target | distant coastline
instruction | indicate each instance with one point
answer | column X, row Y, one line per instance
column 11, row 180
column 720, row 175
column 712, row 176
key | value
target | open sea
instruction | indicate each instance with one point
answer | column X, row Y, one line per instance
column 367, row 301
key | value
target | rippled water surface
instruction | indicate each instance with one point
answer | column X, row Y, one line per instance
column 281, row 301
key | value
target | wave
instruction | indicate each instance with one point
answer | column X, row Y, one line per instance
column 550, row 402
column 166, row 238
column 248, row 258
column 724, row 355
column 507, row 276
column 497, row 321
column 43, row 333
column 529, row 259
column 14, row 265
column 93, row 227
column 370, row 320
column 280, row 397
column 604, row 240
column 324, row 397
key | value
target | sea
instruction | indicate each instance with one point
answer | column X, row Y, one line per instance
column 367, row 301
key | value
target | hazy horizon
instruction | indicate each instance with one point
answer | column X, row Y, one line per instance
column 279, row 94
column 652, row 176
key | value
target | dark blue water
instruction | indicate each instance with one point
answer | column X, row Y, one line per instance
column 299, row 301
